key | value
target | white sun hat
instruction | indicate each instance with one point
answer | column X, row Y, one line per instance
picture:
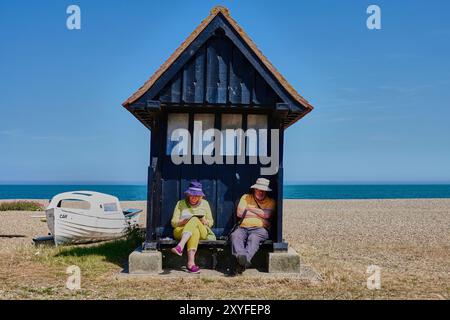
column 262, row 184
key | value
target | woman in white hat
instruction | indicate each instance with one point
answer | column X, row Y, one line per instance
column 255, row 211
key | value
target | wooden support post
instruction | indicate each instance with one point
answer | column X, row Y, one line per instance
column 152, row 186
column 279, row 244
column 150, row 236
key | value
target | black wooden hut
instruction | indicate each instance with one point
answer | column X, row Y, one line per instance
column 219, row 77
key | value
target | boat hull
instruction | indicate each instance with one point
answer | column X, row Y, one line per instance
column 72, row 227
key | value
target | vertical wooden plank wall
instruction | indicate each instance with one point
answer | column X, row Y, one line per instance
column 218, row 74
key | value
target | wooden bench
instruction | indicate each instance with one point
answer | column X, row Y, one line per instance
column 220, row 243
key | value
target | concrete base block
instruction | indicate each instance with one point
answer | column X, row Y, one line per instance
column 144, row 262
column 283, row 262
column 151, row 262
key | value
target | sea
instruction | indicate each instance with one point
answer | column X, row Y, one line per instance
column 335, row 191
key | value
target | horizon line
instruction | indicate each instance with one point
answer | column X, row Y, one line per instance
column 286, row 183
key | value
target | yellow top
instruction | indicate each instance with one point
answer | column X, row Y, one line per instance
column 248, row 201
column 183, row 208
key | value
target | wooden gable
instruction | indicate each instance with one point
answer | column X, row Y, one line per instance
column 218, row 74
column 217, row 65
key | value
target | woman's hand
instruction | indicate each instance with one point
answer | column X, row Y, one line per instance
column 266, row 224
column 182, row 222
column 204, row 221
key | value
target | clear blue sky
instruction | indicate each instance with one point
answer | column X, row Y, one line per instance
column 382, row 98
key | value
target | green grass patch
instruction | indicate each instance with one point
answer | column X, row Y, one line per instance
column 93, row 258
column 21, row 206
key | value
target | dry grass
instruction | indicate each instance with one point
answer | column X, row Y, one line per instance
column 20, row 206
column 408, row 239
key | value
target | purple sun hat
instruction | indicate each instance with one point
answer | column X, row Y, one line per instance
column 194, row 189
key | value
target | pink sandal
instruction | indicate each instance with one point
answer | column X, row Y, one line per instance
column 177, row 250
column 193, row 269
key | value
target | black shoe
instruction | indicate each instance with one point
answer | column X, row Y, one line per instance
column 239, row 269
column 242, row 260
column 235, row 268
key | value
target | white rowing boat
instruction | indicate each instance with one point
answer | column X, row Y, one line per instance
column 87, row 216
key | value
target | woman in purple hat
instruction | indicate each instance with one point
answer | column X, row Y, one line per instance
column 192, row 221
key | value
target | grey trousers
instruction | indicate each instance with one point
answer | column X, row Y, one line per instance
column 246, row 241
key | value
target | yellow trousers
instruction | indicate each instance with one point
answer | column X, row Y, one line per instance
column 197, row 230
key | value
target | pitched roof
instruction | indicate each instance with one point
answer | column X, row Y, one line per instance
column 214, row 12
